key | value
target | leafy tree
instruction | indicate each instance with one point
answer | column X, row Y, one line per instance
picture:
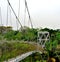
column 19, row 36
column 9, row 35
column 30, row 35
column 58, row 37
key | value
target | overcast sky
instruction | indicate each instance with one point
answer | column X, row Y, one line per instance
column 44, row 13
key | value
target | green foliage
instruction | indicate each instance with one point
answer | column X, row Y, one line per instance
column 58, row 37
column 50, row 45
column 10, row 50
column 51, row 31
column 9, row 35
column 18, row 36
column 31, row 35
column 27, row 35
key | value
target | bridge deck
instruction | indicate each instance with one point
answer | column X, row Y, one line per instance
column 21, row 57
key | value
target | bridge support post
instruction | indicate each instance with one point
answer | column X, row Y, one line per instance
column 43, row 37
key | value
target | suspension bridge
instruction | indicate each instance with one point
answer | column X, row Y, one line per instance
column 42, row 36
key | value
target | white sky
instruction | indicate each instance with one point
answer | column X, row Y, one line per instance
column 44, row 13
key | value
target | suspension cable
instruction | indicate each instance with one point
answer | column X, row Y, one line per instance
column 7, row 15
column 18, row 14
column 15, row 14
column 19, row 9
column 24, row 15
column 28, row 13
column 10, row 17
column 1, row 17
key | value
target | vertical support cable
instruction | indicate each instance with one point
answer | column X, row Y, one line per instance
column 1, row 17
column 19, row 9
column 10, row 16
column 24, row 15
column 7, row 15
column 18, row 14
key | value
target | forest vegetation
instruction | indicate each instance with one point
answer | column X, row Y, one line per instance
column 12, row 49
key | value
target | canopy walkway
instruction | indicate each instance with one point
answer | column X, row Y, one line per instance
column 21, row 57
column 42, row 36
